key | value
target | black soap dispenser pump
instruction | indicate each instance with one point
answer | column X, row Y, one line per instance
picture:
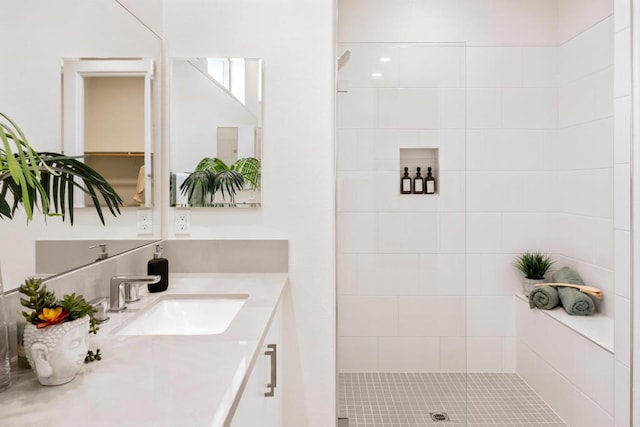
column 158, row 266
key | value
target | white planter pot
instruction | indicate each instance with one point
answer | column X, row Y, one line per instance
column 56, row 353
column 527, row 284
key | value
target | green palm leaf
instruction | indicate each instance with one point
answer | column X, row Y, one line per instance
column 15, row 164
column 229, row 181
column 212, row 164
column 34, row 180
column 71, row 173
column 249, row 167
column 212, row 175
column 199, row 188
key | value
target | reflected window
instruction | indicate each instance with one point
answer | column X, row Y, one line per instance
column 230, row 73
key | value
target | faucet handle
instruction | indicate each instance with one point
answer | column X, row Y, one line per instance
column 101, row 304
column 120, row 285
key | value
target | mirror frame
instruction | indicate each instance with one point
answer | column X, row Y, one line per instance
column 73, row 73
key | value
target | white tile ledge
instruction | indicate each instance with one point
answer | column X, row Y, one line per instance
column 596, row 328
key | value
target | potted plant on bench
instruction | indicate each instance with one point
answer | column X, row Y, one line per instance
column 534, row 265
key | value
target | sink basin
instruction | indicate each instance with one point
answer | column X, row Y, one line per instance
column 185, row 315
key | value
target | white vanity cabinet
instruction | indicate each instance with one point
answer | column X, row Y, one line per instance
column 255, row 408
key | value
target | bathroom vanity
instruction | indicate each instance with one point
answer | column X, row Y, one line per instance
column 159, row 377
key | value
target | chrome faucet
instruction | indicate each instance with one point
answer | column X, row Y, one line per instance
column 117, row 289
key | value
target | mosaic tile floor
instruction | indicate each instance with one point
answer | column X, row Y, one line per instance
column 407, row 399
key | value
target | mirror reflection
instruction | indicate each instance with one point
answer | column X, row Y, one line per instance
column 114, row 130
column 216, row 132
column 59, row 256
column 32, row 89
column 106, row 106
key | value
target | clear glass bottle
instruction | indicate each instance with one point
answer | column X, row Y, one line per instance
column 405, row 182
column 418, row 183
column 5, row 356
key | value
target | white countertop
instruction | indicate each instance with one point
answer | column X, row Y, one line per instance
column 155, row 380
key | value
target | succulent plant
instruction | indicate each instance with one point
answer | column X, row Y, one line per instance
column 47, row 310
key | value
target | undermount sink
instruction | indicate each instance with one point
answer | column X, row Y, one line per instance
column 186, row 315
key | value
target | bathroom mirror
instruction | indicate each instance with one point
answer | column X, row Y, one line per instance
column 215, row 136
column 58, row 256
column 105, row 32
column 107, row 119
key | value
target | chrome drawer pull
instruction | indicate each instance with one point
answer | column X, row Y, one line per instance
column 272, row 384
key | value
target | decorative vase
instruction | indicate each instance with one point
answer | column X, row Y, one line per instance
column 56, row 353
column 527, row 284
column 5, row 356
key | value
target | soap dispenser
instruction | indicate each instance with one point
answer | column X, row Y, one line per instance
column 158, row 266
column 103, row 251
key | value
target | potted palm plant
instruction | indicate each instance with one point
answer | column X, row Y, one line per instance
column 212, row 175
column 42, row 181
column 534, row 265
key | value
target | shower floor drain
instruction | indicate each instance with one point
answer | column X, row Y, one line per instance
column 439, row 416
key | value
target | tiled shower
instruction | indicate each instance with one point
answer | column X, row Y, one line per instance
column 530, row 157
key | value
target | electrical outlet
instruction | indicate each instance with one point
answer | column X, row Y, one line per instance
column 182, row 221
column 145, row 221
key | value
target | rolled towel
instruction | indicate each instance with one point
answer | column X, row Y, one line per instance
column 575, row 302
column 567, row 275
column 543, row 297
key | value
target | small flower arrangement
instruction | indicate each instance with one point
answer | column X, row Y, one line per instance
column 47, row 310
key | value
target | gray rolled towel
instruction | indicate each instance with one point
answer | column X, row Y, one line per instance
column 543, row 297
column 567, row 275
column 575, row 302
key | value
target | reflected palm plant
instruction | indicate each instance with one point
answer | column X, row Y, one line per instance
column 212, row 175
column 44, row 180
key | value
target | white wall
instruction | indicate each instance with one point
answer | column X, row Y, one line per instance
column 295, row 39
column 476, row 22
column 42, row 34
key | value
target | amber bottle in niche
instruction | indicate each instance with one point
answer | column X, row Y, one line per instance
column 405, row 182
column 430, row 182
column 418, row 183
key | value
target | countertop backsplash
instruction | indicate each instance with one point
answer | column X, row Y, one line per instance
column 185, row 256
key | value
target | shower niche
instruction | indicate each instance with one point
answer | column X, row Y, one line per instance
column 423, row 158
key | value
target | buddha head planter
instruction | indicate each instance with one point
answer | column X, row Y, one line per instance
column 56, row 353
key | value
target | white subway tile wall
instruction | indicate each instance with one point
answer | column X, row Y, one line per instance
column 577, row 382
column 542, row 162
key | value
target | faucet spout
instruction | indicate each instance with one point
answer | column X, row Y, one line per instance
column 117, row 289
